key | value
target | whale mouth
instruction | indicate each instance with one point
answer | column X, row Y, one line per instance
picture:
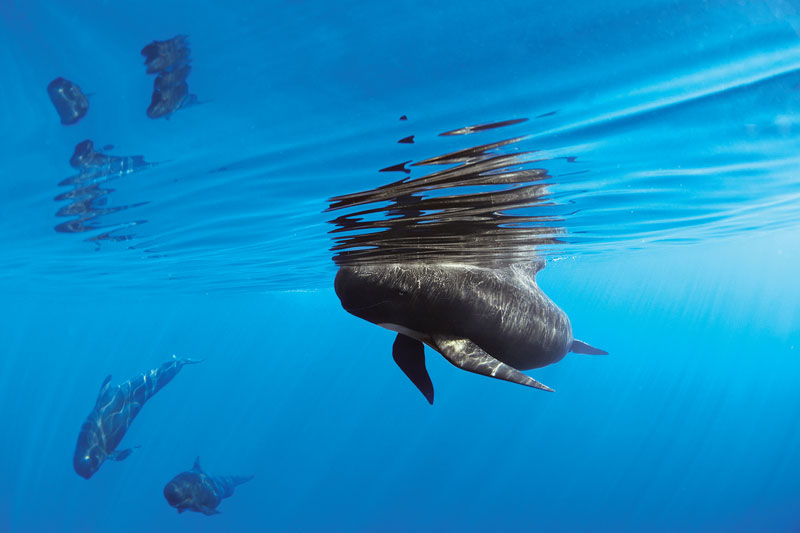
column 364, row 307
column 173, row 495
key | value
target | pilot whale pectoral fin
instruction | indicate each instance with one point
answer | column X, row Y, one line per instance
column 186, row 360
column 409, row 354
column 121, row 455
column 582, row 347
column 208, row 511
column 467, row 355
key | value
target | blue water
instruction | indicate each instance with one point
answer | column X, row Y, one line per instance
column 669, row 132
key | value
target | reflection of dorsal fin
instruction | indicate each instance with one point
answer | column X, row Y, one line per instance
column 104, row 388
column 196, row 465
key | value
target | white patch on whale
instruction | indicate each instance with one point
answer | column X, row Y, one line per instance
column 405, row 331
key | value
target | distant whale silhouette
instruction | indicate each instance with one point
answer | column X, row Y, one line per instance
column 197, row 491
column 70, row 102
column 166, row 55
column 170, row 60
column 490, row 321
column 170, row 93
column 113, row 413
column 97, row 164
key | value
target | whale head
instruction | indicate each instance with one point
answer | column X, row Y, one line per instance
column 375, row 294
column 89, row 455
column 174, row 494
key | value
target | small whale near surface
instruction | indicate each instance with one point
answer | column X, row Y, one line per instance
column 490, row 321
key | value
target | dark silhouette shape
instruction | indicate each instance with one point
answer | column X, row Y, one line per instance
column 200, row 492
column 85, row 158
column 407, row 140
column 88, row 198
column 68, row 99
column 170, row 92
column 400, row 167
column 409, row 354
column 170, row 60
column 113, row 413
column 482, row 127
column 166, row 55
column 404, row 117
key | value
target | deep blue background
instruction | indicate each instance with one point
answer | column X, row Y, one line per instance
column 689, row 424
column 683, row 119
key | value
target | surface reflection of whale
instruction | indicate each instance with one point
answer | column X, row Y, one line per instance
column 113, row 413
column 198, row 491
column 449, row 259
column 97, row 164
column 88, row 198
column 170, row 60
column 170, row 93
column 164, row 55
column 68, row 99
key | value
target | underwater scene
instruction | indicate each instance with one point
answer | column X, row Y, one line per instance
column 306, row 266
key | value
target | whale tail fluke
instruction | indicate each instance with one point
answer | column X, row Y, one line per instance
column 409, row 354
column 229, row 483
column 238, row 480
column 582, row 347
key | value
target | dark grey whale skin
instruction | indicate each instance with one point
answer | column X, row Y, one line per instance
column 464, row 312
column 68, row 99
column 195, row 490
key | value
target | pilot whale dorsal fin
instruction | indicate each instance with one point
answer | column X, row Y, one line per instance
column 409, row 354
column 582, row 347
column 196, row 465
column 103, row 388
column 467, row 355
column 529, row 268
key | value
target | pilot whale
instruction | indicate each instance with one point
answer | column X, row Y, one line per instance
column 198, row 491
column 490, row 321
column 113, row 413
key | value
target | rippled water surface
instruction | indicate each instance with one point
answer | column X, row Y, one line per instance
column 661, row 123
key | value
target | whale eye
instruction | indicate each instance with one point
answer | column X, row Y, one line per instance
column 401, row 293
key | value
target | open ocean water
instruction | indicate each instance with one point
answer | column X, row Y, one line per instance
column 651, row 157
